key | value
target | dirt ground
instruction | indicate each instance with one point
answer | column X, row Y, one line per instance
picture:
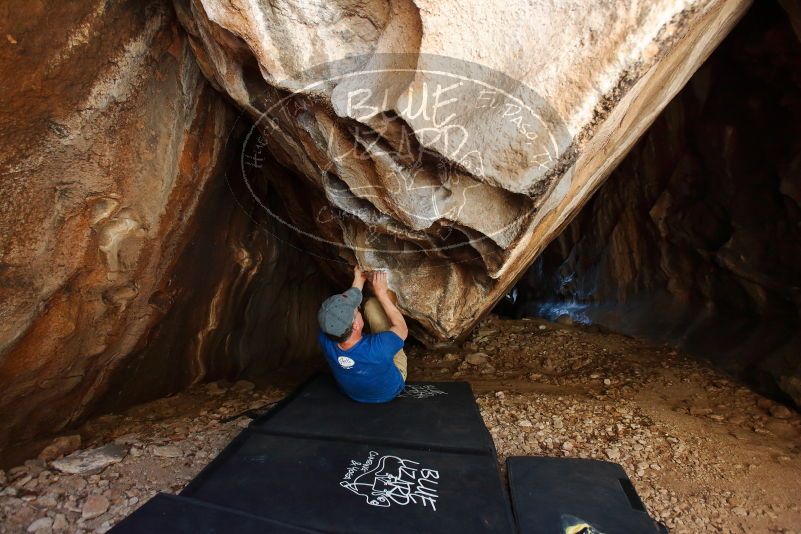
column 705, row 454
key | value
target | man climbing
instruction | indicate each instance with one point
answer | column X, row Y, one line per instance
column 369, row 367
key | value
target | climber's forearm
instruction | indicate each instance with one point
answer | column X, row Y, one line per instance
column 396, row 320
column 358, row 279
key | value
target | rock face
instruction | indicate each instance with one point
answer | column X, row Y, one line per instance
column 107, row 139
column 127, row 270
column 446, row 141
column 696, row 236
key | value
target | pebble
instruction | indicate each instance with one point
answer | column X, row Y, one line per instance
column 61, row 446
column 43, row 523
column 90, row 461
column 60, row 522
column 46, row 501
column 780, row 411
column 477, row 358
column 736, row 419
column 128, row 439
column 167, row 451
column 95, row 505
column 214, row 388
column 764, row 403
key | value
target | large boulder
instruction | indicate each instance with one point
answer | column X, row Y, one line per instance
column 108, row 135
column 447, row 141
column 126, row 267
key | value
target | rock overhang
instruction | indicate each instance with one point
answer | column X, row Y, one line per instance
column 448, row 142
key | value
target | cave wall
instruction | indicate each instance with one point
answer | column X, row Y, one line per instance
column 136, row 256
column 240, row 303
column 127, row 271
column 695, row 239
column 547, row 99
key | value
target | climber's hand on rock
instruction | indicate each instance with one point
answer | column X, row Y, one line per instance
column 359, row 278
column 379, row 281
column 396, row 320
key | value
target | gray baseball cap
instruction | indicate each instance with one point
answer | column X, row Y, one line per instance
column 336, row 313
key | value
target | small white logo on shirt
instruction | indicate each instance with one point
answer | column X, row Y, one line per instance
column 345, row 362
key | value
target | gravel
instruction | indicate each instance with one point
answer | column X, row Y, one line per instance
column 167, row 441
column 705, row 453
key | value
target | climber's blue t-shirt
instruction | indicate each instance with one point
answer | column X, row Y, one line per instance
column 366, row 372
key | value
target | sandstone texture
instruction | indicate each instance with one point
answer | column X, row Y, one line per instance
column 127, row 267
column 695, row 239
column 447, row 141
column 108, row 133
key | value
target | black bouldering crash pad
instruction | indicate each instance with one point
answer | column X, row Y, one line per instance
column 430, row 415
column 172, row 514
column 425, row 462
column 554, row 494
column 343, row 486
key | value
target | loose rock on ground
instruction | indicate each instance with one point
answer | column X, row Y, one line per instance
column 705, row 453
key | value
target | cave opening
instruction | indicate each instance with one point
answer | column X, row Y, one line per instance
column 694, row 239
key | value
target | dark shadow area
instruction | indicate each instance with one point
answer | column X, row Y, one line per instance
column 695, row 239
column 242, row 303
